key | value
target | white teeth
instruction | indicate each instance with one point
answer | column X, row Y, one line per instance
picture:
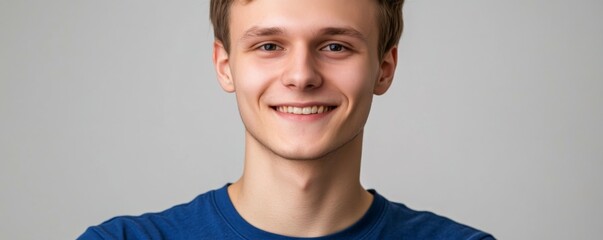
column 297, row 110
column 307, row 110
column 303, row 110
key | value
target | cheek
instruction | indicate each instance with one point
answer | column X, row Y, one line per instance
column 355, row 79
column 251, row 78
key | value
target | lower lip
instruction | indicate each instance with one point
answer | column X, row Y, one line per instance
column 304, row 117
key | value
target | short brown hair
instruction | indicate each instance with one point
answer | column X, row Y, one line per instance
column 389, row 12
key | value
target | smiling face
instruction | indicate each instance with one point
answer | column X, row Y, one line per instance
column 304, row 72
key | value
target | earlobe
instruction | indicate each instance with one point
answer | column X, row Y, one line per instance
column 222, row 65
column 387, row 69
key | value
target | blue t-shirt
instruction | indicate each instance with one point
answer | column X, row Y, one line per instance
column 212, row 216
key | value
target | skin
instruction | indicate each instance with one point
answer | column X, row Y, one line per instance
column 301, row 174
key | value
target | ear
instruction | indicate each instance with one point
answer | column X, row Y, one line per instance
column 222, row 65
column 387, row 69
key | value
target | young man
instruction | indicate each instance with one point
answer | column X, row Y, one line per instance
column 304, row 73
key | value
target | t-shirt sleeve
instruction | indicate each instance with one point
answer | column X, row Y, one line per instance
column 121, row 228
column 488, row 237
column 90, row 234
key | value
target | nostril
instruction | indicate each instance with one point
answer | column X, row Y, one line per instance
column 310, row 86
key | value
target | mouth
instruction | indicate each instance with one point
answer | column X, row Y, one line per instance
column 317, row 109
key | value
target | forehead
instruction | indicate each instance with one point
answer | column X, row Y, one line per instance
column 309, row 16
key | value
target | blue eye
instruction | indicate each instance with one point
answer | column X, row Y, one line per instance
column 269, row 47
column 335, row 47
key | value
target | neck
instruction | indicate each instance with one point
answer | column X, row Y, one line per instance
column 302, row 198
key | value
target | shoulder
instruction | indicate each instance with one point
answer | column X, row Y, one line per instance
column 402, row 222
column 177, row 222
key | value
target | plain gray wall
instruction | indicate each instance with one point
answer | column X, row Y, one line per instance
column 111, row 107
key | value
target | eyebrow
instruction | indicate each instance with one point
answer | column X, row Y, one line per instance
column 262, row 32
column 331, row 31
column 345, row 31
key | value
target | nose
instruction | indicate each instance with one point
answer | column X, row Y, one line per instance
column 301, row 71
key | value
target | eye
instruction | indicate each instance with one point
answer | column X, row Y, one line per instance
column 334, row 47
column 269, row 47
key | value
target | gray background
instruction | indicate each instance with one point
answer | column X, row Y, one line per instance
column 112, row 107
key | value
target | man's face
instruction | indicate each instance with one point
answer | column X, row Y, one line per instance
column 304, row 72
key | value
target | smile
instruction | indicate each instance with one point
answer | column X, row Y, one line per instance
column 304, row 110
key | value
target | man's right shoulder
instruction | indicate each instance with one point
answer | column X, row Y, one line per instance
column 182, row 221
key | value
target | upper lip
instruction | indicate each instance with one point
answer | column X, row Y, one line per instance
column 306, row 104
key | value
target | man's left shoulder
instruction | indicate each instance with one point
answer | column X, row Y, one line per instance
column 401, row 221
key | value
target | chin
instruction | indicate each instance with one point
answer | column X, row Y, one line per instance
column 308, row 152
column 302, row 153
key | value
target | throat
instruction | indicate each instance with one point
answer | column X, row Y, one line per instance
column 302, row 198
column 301, row 211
